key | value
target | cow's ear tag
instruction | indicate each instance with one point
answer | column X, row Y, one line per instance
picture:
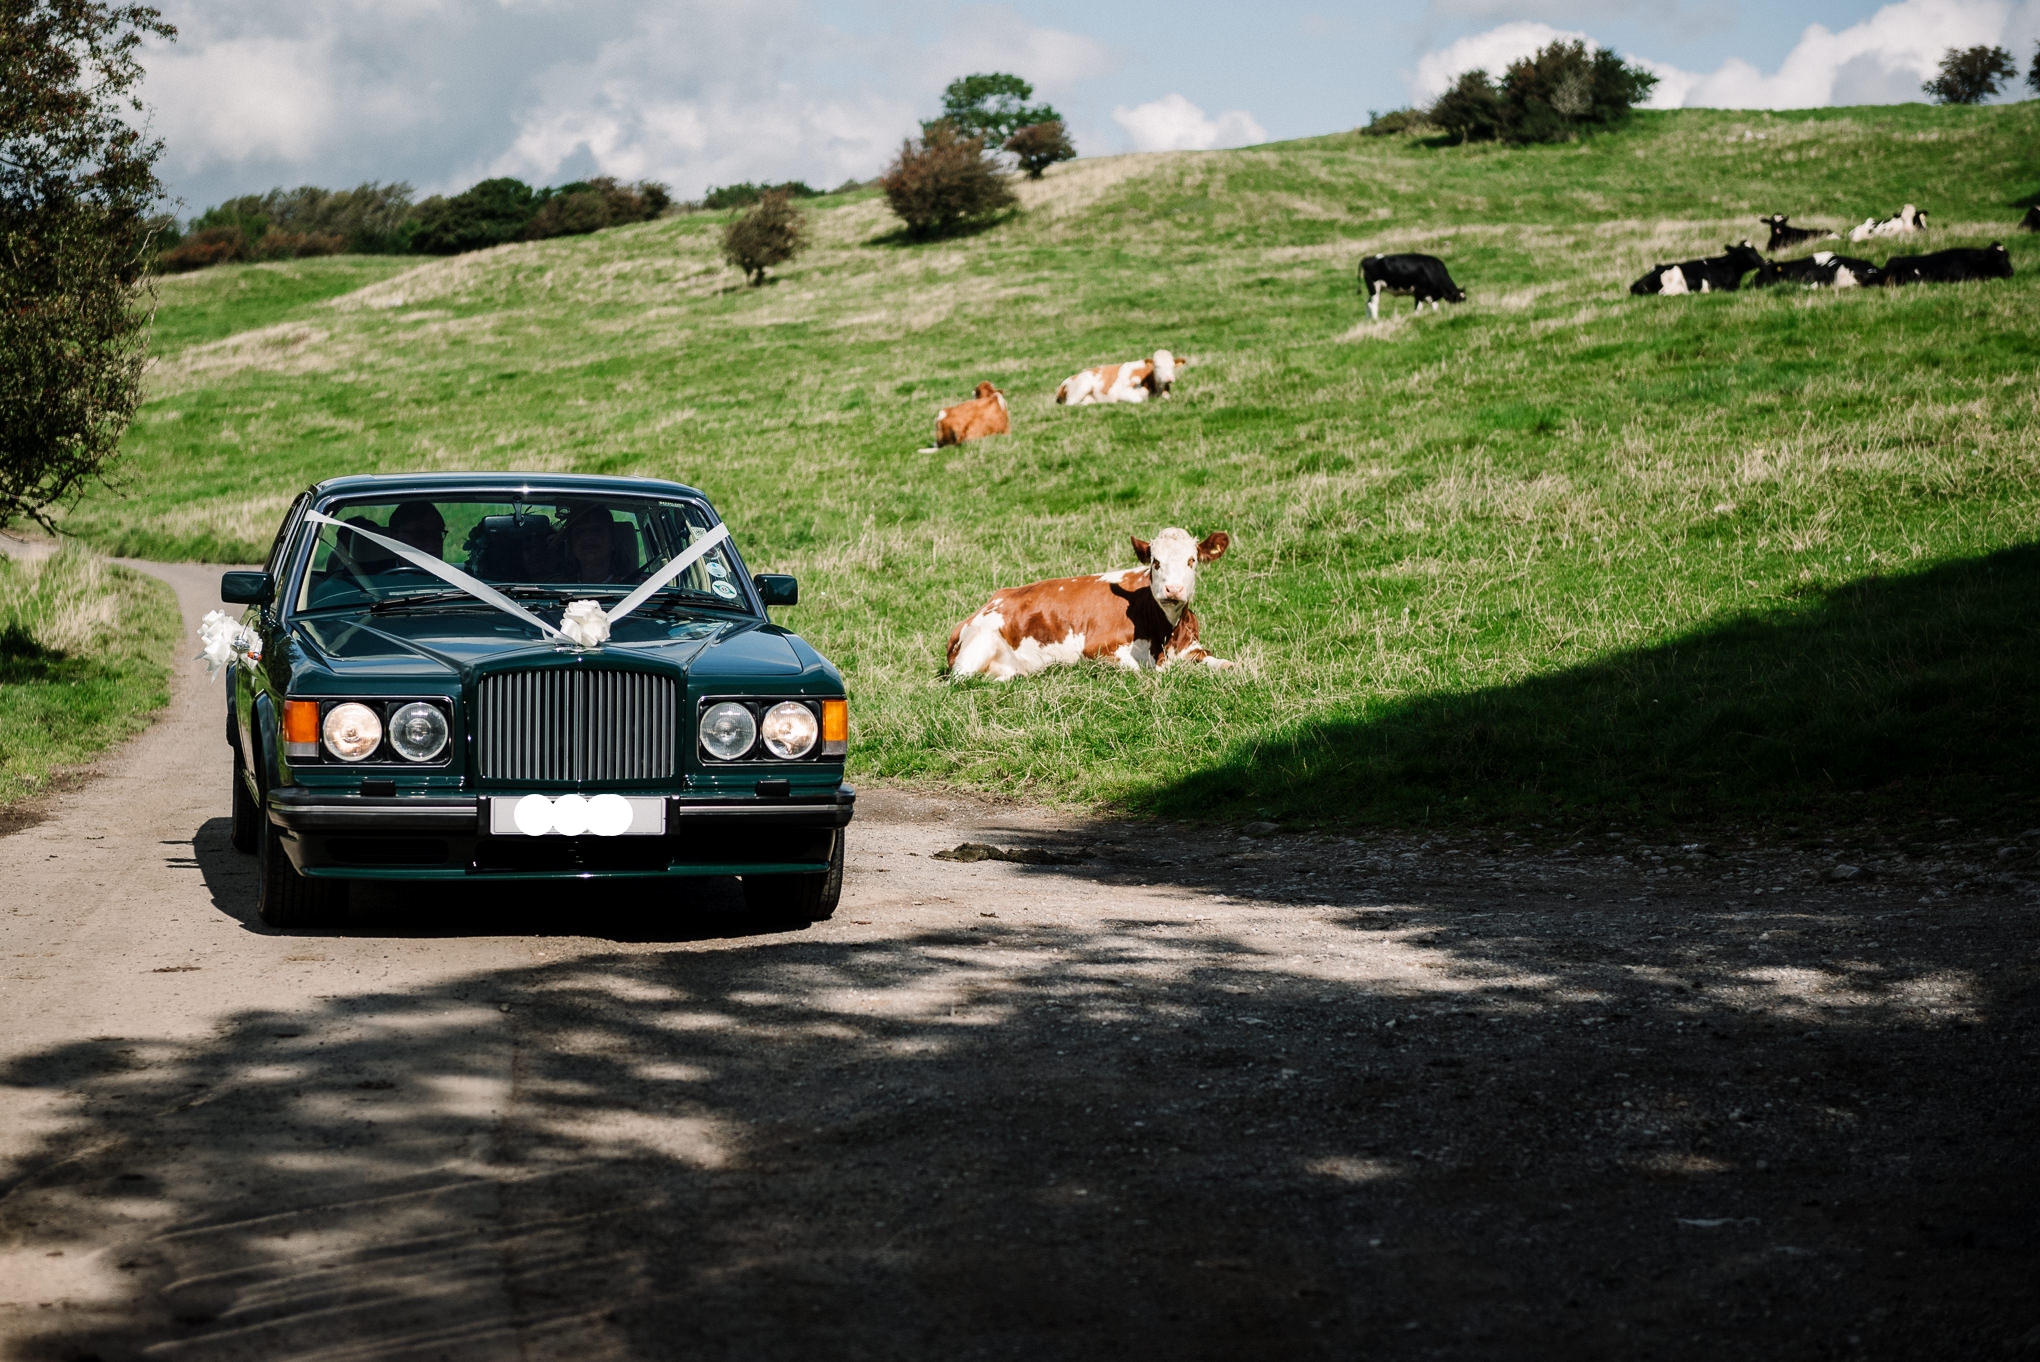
column 1213, row 545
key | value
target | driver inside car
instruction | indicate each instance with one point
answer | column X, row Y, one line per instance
column 590, row 539
column 419, row 524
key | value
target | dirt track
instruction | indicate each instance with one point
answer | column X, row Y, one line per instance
column 1197, row 1095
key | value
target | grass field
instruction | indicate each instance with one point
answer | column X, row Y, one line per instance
column 85, row 652
column 1557, row 549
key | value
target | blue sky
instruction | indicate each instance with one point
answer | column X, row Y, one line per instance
column 700, row 92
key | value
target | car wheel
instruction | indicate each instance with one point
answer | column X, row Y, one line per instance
column 284, row 898
column 247, row 827
column 798, row 898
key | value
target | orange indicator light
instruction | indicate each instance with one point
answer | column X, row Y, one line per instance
column 836, row 721
column 301, row 721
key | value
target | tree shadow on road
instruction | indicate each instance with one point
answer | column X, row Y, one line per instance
column 1904, row 696
column 1441, row 1126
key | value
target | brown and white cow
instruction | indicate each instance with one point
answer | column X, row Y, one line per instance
column 972, row 419
column 1133, row 382
column 1138, row 617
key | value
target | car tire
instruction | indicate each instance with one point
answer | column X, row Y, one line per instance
column 283, row 897
column 798, row 899
column 247, row 824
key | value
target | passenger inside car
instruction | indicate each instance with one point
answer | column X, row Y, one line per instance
column 595, row 547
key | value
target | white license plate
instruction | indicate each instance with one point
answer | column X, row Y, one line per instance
column 572, row 815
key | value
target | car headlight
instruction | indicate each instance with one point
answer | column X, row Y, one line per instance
column 728, row 730
column 352, row 731
column 790, row 730
column 418, row 731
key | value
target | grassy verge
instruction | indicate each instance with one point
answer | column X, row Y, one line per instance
column 85, row 649
column 1552, row 478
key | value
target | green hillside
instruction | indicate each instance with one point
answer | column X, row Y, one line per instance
column 1554, row 547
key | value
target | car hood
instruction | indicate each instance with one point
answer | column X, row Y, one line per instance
column 451, row 643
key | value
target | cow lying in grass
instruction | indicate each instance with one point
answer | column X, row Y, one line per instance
column 1134, row 382
column 1138, row 617
column 1908, row 221
column 1822, row 269
column 1950, row 267
column 1783, row 236
column 973, row 419
column 1715, row 274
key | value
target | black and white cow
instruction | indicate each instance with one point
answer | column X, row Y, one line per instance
column 1822, row 269
column 1783, row 236
column 1715, row 274
column 2031, row 222
column 1422, row 277
column 1950, row 267
column 1907, row 221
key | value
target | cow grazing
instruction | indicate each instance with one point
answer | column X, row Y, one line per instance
column 974, row 419
column 2031, row 222
column 1908, row 221
column 1422, row 277
column 1138, row 617
column 1783, row 236
column 1822, row 269
column 1134, row 382
column 1715, row 274
column 1950, row 267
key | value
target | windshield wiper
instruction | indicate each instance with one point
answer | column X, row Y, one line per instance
column 427, row 598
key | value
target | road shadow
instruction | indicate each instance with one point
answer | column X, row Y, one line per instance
column 1910, row 696
column 608, row 910
column 1450, row 1124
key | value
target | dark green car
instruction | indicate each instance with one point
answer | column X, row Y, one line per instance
column 422, row 692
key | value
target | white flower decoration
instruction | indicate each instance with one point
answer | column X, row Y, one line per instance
column 226, row 640
column 585, row 625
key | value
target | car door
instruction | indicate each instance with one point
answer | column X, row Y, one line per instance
column 245, row 688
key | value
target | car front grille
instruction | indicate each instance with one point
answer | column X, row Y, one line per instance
column 576, row 725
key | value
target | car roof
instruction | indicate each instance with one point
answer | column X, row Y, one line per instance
column 573, row 484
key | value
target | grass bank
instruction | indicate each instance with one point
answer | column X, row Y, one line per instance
column 85, row 653
column 1551, row 478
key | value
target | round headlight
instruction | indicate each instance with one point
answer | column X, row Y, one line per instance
column 728, row 730
column 790, row 730
column 418, row 731
column 352, row 731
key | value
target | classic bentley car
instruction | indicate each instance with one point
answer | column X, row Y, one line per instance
column 473, row 676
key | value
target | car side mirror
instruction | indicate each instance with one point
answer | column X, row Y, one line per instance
column 247, row 588
column 777, row 588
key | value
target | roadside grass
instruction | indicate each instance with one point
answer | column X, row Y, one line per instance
column 85, row 650
column 1426, row 511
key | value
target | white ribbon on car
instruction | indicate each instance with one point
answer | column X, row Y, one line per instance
column 226, row 640
column 585, row 624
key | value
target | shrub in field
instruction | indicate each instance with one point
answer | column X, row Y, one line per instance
column 1040, row 145
column 1970, row 75
column 1471, row 110
column 944, row 181
column 489, row 214
column 2033, row 74
column 591, row 205
column 745, row 194
column 370, row 219
column 77, row 186
column 772, row 233
column 1551, row 96
column 210, row 246
column 1404, row 120
column 992, row 107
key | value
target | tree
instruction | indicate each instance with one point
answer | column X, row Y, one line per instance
column 1563, row 88
column 591, row 205
column 1039, row 146
column 77, row 185
column 944, row 182
column 992, row 107
column 1471, row 110
column 2033, row 76
column 772, row 233
column 489, row 214
column 1970, row 75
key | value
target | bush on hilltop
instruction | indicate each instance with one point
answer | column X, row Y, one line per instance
column 772, row 233
column 944, row 181
column 1551, row 96
column 1970, row 75
column 1040, row 145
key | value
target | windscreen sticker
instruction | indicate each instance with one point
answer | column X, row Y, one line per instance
column 723, row 589
column 716, row 568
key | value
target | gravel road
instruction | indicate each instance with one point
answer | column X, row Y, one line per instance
column 1187, row 1093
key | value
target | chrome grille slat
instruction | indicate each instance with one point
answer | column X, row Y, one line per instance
column 579, row 726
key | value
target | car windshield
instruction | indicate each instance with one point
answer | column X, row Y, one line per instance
column 568, row 546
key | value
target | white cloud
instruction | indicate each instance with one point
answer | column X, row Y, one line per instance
column 443, row 92
column 1491, row 52
column 1173, row 123
column 1881, row 60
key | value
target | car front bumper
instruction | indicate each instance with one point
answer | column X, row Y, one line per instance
column 328, row 834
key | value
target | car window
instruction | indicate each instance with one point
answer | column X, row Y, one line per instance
column 274, row 564
column 582, row 546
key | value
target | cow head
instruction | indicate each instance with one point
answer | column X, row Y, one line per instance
column 1166, row 366
column 985, row 390
column 1743, row 254
column 1775, row 220
column 1172, row 560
